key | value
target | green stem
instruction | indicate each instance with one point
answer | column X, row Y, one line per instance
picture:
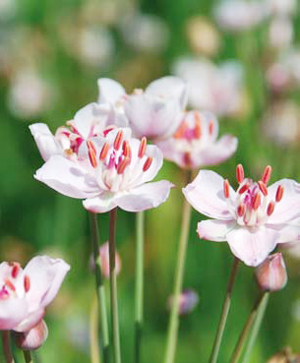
column 27, row 356
column 246, row 329
column 5, row 336
column 224, row 314
column 179, row 272
column 94, row 336
column 256, row 327
column 139, row 283
column 100, row 286
column 113, row 286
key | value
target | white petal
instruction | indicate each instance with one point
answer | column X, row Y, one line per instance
column 12, row 312
column 45, row 140
column 67, row 177
column 109, row 90
column 215, row 230
column 30, row 321
column 102, row 203
column 288, row 231
column 252, row 246
column 206, row 195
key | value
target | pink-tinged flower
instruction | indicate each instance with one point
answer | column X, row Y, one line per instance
column 104, row 258
column 188, row 300
column 114, row 173
column 252, row 219
column 24, row 294
column 195, row 144
column 33, row 338
column 271, row 274
column 156, row 112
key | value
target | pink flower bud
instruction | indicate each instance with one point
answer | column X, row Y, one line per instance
column 104, row 256
column 271, row 274
column 188, row 300
column 33, row 338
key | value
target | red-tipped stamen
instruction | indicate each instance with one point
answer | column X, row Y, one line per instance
column 92, row 154
column 241, row 210
column 118, row 140
column 10, row 285
column 26, row 283
column 266, row 174
column 91, row 146
column 240, row 173
column 256, row 201
column 263, row 188
column 148, row 163
column 104, row 151
column 15, row 270
column 270, row 209
column 211, row 127
column 279, row 193
column 226, row 186
column 197, row 130
column 180, row 131
column 108, row 129
column 244, row 188
column 142, row 147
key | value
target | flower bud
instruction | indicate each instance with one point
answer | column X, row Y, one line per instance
column 271, row 274
column 33, row 338
column 104, row 259
column 188, row 300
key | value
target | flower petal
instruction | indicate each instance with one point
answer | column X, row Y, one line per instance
column 147, row 196
column 104, row 202
column 252, row 246
column 12, row 312
column 288, row 231
column 109, row 90
column 289, row 206
column 45, row 140
column 215, row 230
column 206, row 195
column 67, row 177
column 30, row 321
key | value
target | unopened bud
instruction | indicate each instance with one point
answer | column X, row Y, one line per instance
column 188, row 300
column 33, row 338
column 271, row 274
column 104, row 260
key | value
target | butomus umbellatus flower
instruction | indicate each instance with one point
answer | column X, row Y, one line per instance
column 252, row 219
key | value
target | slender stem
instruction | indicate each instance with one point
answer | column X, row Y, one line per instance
column 139, row 283
column 94, row 336
column 27, row 356
column 179, row 272
column 100, row 287
column 5, row 335
column 225, row 311
column 113, row 286
column 243, row 336
column 256, row 327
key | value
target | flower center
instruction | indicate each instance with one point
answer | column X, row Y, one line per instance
column 8, row 289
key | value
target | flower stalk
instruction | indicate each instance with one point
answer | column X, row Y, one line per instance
column 5, row 337
column 179, row 272
column 27, row 356
column 139, row 284
column 224, row 314
column 100, row 288
column 94, row 336
column 113, row 286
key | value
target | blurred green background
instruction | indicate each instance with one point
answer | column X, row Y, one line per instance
column 51, row 55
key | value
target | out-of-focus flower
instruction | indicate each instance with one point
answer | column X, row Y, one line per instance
column 29, row 95
column 293, row 249
column 281, row 32
column 157, row 112
column 235, row 15
column 188, row 300
column 282, row 123
column 114, row 172
column 281, row 7
column 104, row 258
column 145, row 32
column 25, row 294
column 33, row 338
column 271, row 274
column 285, row 357
column 195, row 144
column 218, row 89
column 203, row 36
column 252, row 219
column 77, row 332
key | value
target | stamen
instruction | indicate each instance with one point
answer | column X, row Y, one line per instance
column 266, row 174
column 241, row 210
column 118, row 140
column 108, row 129
column 197, row 130
column 92, row 153
column 211, row 127
column 148, row 163
column 239, row 173
column 256, row 201
column 26, row 283
column 187, row 158
column 244, row 188
column 180, row 131
column 123, row 164
column 279, row 193
column 226, row 188
column 15, row 270
column 263, row 188
column 270, row 209
column 10, row 285
column 104, row 151
column 142, row 147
